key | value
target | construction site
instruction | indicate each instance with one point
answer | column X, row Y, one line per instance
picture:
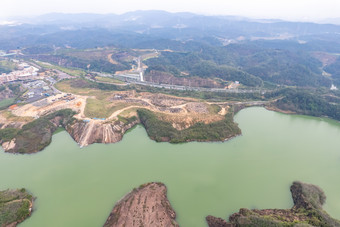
column 110, row 112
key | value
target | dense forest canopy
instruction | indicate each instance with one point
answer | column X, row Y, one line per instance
column 248, row 64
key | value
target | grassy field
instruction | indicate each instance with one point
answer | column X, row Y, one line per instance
column 70, row 71
column 99, row 108
column 11, row 117
column 7, row 66
column 109, row 80
column 69, row 86
column 6, row 102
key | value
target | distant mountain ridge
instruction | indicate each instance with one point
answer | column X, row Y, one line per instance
column 148, row 26
column 157, row 18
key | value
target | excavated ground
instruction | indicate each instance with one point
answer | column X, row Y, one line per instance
column 120, row 109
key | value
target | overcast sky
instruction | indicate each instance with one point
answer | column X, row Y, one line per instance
column 313, row 10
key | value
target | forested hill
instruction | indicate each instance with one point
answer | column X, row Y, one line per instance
column 139, row 28
column 248, row 64
column 334, row 69
column 313, row 104
column 254, row 52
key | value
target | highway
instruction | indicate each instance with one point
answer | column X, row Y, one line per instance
column 187, row 88
column 130, row 80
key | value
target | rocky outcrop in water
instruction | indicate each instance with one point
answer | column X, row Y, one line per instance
column 217, row 222
column 86, row 133
column 307, row 211
column 145, row 206
column 15, row 207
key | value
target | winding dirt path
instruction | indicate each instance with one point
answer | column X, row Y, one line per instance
column 115, row 114
column 109, row 58
column 151, row 107
column 182, row 106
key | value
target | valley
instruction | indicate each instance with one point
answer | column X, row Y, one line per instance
column 227, row 112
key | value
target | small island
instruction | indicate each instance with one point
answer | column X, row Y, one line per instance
column 15, row 207
column 147, row 205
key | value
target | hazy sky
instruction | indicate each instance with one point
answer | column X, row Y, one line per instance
column 283, row 9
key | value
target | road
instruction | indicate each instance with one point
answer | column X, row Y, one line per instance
column 178, row 87
column 252, row 103
column 187, row 88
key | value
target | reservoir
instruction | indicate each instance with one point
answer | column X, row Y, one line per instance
column 79, row 187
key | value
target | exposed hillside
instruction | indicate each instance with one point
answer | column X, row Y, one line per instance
column 147, row 205
column 86, row 133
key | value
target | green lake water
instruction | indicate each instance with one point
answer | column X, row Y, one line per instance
column 79, row 187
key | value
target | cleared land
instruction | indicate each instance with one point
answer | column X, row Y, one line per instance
column 181, row 112
column 92, row 103
column 92, row 113
column 72, row 72
column 6, row 102
column 108, row 80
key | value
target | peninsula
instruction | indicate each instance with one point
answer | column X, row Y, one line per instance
column 103, row 116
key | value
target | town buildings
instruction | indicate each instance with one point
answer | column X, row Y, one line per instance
column 25, row 72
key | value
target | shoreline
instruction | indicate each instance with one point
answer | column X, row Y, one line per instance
column 273, row 108
column 100, row 139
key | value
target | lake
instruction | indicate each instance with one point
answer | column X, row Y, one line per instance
column 79, row 187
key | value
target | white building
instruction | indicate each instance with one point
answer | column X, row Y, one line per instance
column 333, row 88
column 28, row 73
